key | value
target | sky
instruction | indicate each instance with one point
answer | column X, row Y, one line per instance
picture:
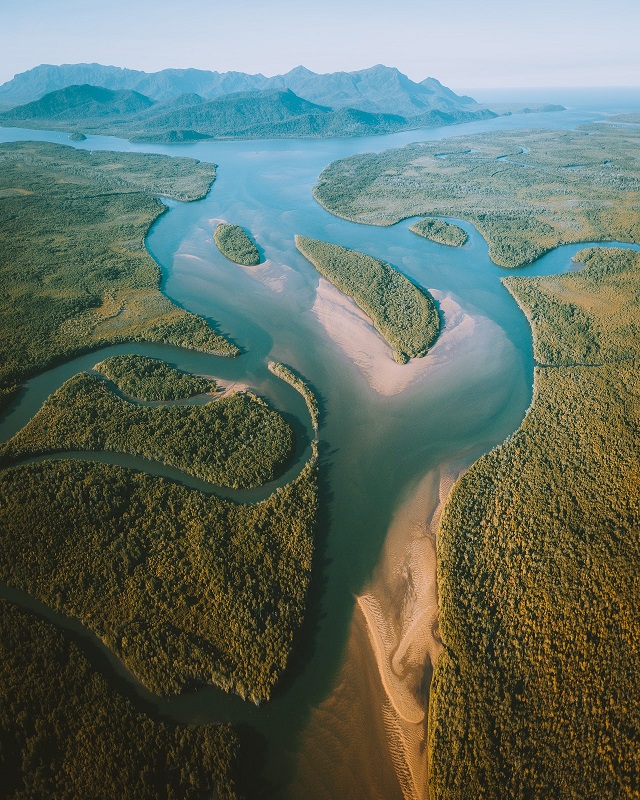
column 463, row 43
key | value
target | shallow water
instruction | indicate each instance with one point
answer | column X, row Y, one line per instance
column 374, row 447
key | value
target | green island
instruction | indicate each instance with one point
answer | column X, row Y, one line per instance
column 64, row 732
column 151, row 379
column 185, row 588
column 402, row 313
column 525, row 192
column 538, row 564
column 273, row 112
column 235, row 244
column 300, row 385
column 74, row 271
column 440, row 231
column 236, row 441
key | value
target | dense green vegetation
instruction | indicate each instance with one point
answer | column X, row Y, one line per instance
column 300, row 385
column 268, row 112
column 236, row 244
column 631, row 118
column 539, row 558
column 235, row 441
column 185, row 588
column 440, row 231
column 150, row 379
column 404, row 315
column 65, row 733
column 526, row 192
column 588, row 317
column 74, row 272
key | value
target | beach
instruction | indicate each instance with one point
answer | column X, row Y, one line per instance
column 368, row 738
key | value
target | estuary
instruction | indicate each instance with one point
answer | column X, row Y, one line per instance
column 392, row 437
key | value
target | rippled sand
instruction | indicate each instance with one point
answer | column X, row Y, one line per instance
column 368, row 739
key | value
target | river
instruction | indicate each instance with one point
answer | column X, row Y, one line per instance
column 381, row 433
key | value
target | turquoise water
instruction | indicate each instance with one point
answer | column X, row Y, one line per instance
column 374, row 448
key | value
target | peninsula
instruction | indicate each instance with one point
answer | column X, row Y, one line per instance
column 184, row 587
column 525, row 192
column 538, row 557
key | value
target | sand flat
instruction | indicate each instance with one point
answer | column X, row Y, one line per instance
column 374, row 724
column 352, row 330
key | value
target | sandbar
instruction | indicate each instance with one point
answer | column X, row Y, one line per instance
column 368, row 738
column 352, row 330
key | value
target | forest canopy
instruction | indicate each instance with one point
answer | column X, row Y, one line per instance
column 151, row 379
column 236, row 441
column 403, row 314
column 64, row 732
column 74, row 270
column 538, row 564
column 236, row 244
column 525, row 191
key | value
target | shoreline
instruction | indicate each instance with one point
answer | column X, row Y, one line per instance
column 267, row 272
column 377, row 714
column 353, row 332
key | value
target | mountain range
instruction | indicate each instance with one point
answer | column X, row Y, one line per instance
column 270, row 113
column 185, row 105
column 378, row 89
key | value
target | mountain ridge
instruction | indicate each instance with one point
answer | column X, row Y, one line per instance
column 268, row 113
column 377, row 89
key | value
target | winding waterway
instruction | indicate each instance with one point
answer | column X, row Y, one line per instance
column 380, row 434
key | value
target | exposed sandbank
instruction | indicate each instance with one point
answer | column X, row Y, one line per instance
column 267, row 272
column 232, row 387
column 368, row 739
column 353, row 332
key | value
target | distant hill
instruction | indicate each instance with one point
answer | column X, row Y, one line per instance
column 81, row 103
column 232, row 114
column 379, row 89
column 271, row 113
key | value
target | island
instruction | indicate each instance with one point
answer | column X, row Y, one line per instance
column 440, row 231
column 404, row 314
column 236, row 244
column 235, row 441
column 526, row 192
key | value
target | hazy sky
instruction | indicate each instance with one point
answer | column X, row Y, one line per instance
column 463, row 43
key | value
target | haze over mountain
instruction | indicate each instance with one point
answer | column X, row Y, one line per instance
column 378, row 89
column 90, row 102
column 184, row 105
column 271, row 113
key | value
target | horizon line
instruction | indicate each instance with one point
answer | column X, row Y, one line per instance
column 520, row 87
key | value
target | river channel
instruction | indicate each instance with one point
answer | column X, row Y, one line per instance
column 382, row 431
